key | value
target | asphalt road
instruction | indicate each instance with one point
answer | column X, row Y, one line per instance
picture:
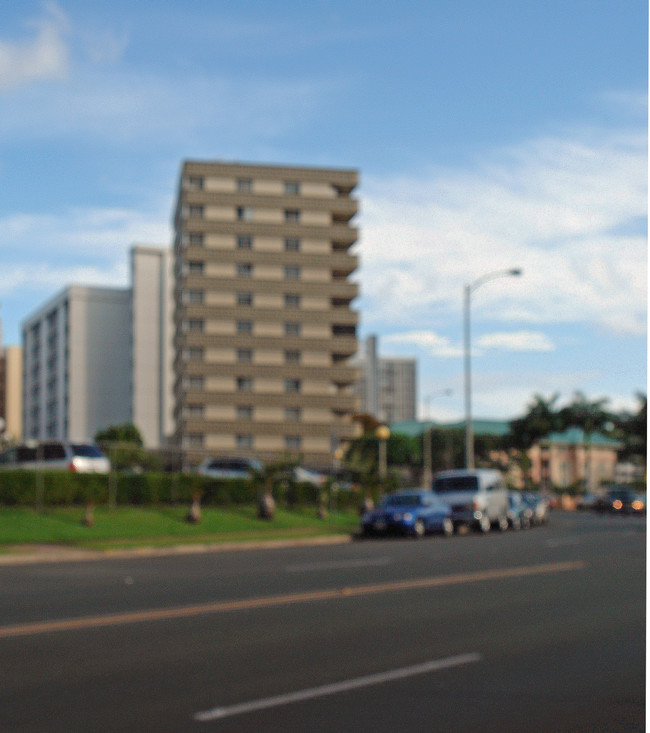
column 541, row 630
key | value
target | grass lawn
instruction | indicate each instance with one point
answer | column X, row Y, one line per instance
column 161, row 526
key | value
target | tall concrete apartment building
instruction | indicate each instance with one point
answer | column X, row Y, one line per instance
column 388, row 385
column 265, row 330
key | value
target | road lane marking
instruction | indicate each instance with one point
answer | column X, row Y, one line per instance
column 245, row 604
column 336, row 687
column 338, row 565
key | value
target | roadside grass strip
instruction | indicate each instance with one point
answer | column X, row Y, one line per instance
column 336, row 688
column 130, row 617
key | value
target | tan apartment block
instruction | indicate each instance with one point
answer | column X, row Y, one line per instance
column 265, row 329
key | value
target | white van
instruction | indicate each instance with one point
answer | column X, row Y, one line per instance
column 478, row 498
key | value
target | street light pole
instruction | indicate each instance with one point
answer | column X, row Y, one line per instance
column 467, row 353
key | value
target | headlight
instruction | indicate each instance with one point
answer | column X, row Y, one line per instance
column 408, row 516
column 637, row 505
column 618, row 504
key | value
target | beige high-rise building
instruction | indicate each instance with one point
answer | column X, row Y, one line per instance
column 264, row 325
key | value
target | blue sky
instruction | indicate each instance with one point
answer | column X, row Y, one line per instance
column 487, row 136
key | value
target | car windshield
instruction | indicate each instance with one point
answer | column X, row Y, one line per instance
column 402, row 500
column 449, row 484
column 86, row 451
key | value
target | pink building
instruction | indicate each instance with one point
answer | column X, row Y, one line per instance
column 564, row 459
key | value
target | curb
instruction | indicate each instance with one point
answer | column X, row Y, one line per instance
column 55, row 554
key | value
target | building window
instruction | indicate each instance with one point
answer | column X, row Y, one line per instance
column 195, row 239
column 292, row 329
column 194, row 296
column 244, row 213
column 292, row 272
column 244, row 298
column 244, row 241
column 244, row 327
column 292, row 442
column 194, row 267
column 291, row 188
column 195, row 183
column 244, row 412
column 292, row 385
column 292, row 244
column 244, row 356
column 291, row 300
column 195, row 353
column 244, row 441
column 292, row 357
column 292, row 414
column 291, row 215
column 244, row 384
column 244, row 185
column 196, row 210
column 195, row 325
column 195, row 383
column 194, row 440
column 244, row 269
column 194, row 411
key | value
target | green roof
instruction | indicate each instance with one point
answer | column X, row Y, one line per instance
column 577, row 436
column 495, row 428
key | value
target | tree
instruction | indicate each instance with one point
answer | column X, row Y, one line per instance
column 126, row 433
column 540, row 420
column 123, row 445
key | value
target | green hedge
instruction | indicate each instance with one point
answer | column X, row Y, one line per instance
column 61, row 488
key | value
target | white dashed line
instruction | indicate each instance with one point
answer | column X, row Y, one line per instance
column 337, row 687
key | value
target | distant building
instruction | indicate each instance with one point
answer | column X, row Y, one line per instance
column 571, row 457
column 264, row 324
column 152, row 356
column 387, row 386
column 11, row 392
column 95, row 357
column 76, row 364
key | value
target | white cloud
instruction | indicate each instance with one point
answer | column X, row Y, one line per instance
column 567, row 212
column 92, row 246
column 431, row 342
column 45, row 55
column 516, row 341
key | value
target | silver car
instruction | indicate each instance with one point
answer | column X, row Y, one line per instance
column 56, row 455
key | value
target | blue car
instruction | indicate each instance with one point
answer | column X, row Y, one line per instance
column 415, row 513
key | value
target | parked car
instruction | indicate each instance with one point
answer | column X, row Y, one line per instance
column 620, row 501
column 520, row 512
column 541, row 506
column 478, row 498
column 56, row 455
column 229, row 468
column 416, row 512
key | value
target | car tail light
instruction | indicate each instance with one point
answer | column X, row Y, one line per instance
column 71, row 466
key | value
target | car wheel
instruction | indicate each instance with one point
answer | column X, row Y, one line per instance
column 484, row 524
column 419, row 529
column 447, row 527
column 516, row 523
column 503, row 523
